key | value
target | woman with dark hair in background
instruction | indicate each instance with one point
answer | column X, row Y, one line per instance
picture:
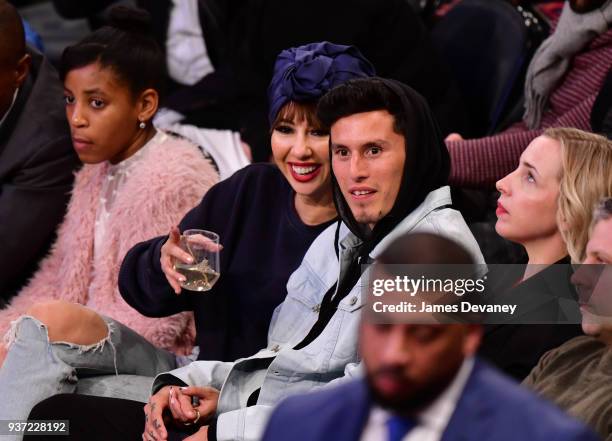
column 136, row 182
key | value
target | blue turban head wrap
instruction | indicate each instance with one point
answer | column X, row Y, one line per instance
column 308, row 72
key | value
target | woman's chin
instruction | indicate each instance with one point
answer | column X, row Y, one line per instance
column 592, row 329
column 501, row 228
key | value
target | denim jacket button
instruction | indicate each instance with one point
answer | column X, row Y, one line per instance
column 275, row 348
column 316, row 308
column 353, row 301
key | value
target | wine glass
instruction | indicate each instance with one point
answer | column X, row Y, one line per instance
column 204, row 271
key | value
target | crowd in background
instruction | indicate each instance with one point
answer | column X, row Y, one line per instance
column 313, row 138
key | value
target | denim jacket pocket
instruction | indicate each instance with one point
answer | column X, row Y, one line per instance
column 298, row 313
column 356, row 298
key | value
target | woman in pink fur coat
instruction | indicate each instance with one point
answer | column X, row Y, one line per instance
column 135, row 184
column 170, row 177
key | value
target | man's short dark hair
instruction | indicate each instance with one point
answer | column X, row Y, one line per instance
column 425, row 249
column 359, row 96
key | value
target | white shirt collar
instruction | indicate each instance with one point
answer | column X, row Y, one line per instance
column 432, row 421
column 10, row 107
column 438, row 414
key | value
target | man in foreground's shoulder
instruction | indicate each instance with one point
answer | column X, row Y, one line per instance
column 492, row 407
column 423, row 381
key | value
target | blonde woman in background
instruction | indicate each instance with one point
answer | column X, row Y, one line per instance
column 587, row 177
column 546, row 206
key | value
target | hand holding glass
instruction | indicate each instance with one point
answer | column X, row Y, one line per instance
column 203, row 246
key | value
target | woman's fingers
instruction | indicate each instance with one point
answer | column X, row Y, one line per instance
column 454, row 137
column 171, row 252
column 207, row 399
column 180, row 406
column 202, row 392
column 173, row 277
column 176, row 287
column 174, row 251
column 174, row 409
column 201, row 242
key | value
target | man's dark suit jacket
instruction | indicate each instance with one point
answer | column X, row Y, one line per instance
column 37, row 162
column 491, row 407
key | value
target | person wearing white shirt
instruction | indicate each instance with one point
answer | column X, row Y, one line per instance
column 432, row 420
column 188, row 62
column 186, row 53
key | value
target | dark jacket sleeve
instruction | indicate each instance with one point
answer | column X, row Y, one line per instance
column 142, row 282
column 479, row 163
column 32, row 204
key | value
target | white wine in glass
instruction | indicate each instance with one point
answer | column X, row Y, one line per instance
column 203, row 273
column 198, row 277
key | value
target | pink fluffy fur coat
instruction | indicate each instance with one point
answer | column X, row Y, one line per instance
column 170, row 179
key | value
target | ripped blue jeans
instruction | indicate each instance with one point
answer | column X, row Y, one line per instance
column 122, row 365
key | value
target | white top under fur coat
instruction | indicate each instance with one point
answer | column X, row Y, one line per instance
column 167, row 181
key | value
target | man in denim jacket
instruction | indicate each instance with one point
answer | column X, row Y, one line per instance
column 389, row 168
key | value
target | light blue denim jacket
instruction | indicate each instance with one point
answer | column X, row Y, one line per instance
column 333, row 356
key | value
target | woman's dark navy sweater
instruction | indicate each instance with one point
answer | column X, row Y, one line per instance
column 263, row 241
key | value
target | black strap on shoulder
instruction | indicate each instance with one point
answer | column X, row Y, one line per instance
column 337, row 239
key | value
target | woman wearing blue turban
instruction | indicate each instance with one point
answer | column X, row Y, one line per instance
column 266, row 217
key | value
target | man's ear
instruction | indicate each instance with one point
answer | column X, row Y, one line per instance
column 22, row 70
column 148, row 101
